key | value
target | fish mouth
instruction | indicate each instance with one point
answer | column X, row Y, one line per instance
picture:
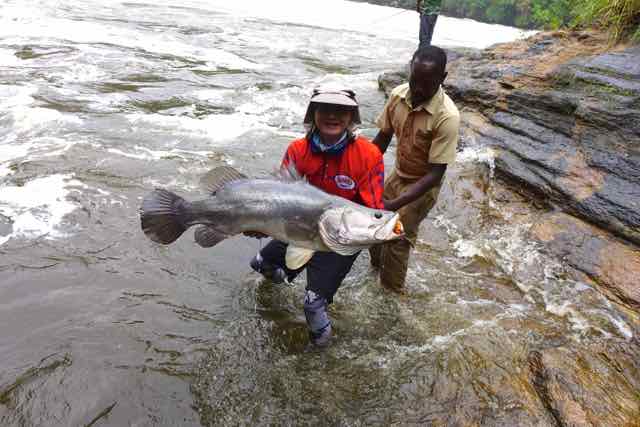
column 393, row 229
column 398, row 229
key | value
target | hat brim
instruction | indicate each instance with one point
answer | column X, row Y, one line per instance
column 334, row 98
column 308, row 116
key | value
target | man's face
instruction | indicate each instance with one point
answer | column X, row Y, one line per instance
column 424, row 81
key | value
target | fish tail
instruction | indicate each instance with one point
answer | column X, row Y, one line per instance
column 162, row 216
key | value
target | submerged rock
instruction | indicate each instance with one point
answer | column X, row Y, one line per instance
column 566, row 385
column 562, row 113
column 614, row 265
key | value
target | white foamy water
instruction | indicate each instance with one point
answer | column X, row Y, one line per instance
column 46, row 20
column 101, row 101
column 38, row 207
column 377, row 20
column 171, row 81
column 538, row 277
column 218, row 127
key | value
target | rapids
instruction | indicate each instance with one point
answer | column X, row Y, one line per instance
column 102, row 101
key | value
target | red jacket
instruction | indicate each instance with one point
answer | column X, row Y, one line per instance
column 357, row 173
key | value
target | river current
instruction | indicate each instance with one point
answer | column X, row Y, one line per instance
column 102, row 101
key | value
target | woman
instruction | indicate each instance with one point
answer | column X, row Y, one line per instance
column 332, row 158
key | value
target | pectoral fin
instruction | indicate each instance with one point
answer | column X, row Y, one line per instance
column 208, row 236
column 297, row 257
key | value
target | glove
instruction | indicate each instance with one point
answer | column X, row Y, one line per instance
column 255, row 234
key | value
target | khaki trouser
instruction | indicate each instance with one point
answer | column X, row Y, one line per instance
column 393, row 258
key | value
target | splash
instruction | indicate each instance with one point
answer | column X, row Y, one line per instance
column 38, row 207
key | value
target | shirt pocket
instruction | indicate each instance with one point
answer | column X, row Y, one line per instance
column 423, row 140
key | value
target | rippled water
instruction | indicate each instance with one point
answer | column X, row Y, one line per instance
column 100, row 103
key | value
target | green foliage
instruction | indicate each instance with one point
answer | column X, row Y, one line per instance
column 519, row 13
column 551, row 14
column 620, row 17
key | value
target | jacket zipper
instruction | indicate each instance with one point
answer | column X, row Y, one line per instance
column 325, row 166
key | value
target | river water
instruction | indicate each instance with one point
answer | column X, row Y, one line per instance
column 102, row 101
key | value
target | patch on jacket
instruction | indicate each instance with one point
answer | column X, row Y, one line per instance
column 345, row 182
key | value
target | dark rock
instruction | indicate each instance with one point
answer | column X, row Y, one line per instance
column 613, row 265
column 571, row 134
column 571, row 137
column 387, row 81
column 562, row 113
column 564, row 381
column 391, row 79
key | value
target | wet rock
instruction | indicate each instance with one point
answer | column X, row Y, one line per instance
column 567, row 128
column 565, row 382
column 391, row 79
column 562, row 113
column 612, row 264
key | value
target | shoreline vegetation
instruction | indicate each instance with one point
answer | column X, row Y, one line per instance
column 620, row 18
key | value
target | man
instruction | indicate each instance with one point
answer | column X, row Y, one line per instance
column 425, row 122
column 335, row 160
column 428, row 17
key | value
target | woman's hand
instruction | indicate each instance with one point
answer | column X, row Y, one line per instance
column 255, row 234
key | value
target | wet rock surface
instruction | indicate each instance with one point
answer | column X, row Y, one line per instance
column 563, row 380
column 614, row 265
column 562, row 112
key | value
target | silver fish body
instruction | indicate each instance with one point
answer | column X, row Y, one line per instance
column 291, row 211
column 286, row 211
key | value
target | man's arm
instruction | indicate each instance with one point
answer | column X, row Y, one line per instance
column 418, row 5
column 382, row 140
column 424, row 184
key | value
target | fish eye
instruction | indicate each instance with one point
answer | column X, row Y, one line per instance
column 378, row 215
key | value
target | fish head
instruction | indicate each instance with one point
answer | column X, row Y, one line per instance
column 350, row 228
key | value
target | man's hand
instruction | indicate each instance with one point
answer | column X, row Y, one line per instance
column 390, row 205
column 255, row 234
column 418, row 5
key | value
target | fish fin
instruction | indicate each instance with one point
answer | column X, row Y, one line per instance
column 216, row 178
column 290, row 173
column 207, row 236
column 161, row 216
column 297, row 257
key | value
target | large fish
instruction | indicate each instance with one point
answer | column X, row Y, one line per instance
column 289, row 210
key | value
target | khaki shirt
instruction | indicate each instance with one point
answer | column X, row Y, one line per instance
column 426, row 134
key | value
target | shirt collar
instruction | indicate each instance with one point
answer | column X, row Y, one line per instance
column 430, row 106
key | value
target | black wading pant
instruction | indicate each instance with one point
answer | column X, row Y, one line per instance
column 325, row 270
column 427, row 25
